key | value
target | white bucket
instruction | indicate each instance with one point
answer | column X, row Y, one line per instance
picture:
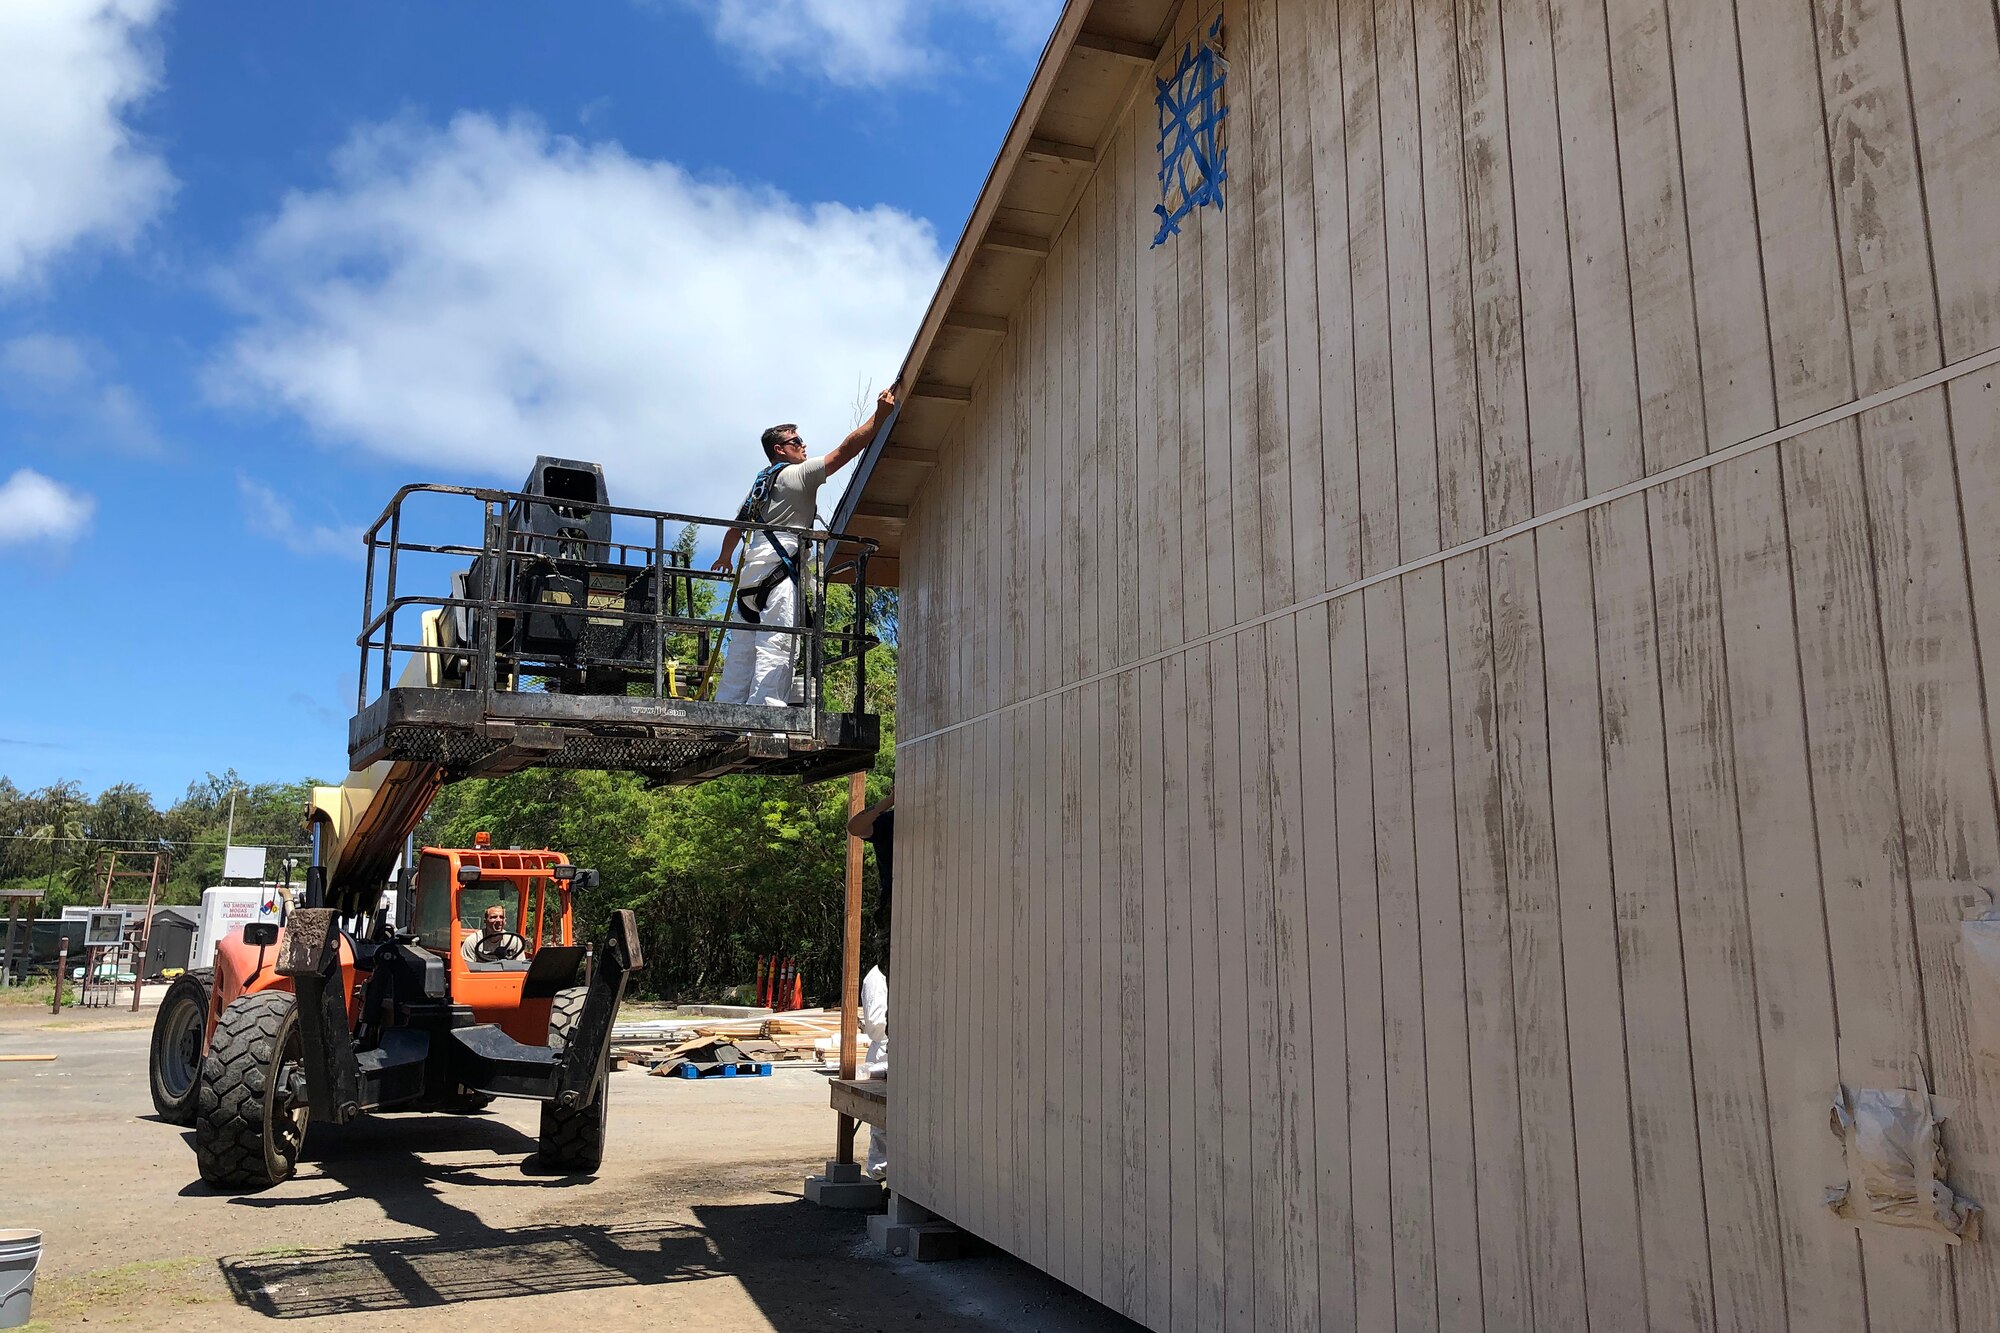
column 20, row 1253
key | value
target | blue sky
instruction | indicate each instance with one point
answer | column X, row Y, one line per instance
column 262, row 263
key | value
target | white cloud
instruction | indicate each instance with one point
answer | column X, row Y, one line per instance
column 468, row 298
column 865, row 43
column 269, row 516
column 35, row 509
column 70, row 166
column 68, row 382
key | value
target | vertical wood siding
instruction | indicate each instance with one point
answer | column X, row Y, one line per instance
column 1478, row 950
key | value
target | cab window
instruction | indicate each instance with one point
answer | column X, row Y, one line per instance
column 430, row 918
column 474, row 899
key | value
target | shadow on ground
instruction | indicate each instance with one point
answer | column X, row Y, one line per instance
column 490, row 1264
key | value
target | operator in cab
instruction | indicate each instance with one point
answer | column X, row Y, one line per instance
column 494, row 943
column 757, row 665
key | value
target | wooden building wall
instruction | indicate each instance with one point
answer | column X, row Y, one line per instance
column 1371, row 857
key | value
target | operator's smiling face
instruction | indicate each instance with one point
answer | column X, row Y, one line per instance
column 496, row 921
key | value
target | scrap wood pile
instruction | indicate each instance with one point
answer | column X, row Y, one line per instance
column 672, row 1047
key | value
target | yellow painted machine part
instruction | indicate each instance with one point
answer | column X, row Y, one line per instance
column 362, row 823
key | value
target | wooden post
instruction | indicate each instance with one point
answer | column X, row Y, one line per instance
column 850, row 965
column 62, row 966
column 146, row 932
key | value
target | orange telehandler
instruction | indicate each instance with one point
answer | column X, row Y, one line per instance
column 541, row 655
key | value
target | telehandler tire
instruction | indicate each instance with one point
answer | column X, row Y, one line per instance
column 251, row 1113
column 573, row 1141
column 174, row 1065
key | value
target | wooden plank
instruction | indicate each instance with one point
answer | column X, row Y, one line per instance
column 1138, row 53
column 1499, row 362
column 1447, row 1077
column 1941, row 773
column 1361, row 973
column 1291, row 963
column 1263, row 1085
column 1407, row 265
column 1053, row 150
column 1327, row 1121
column 971, row 321
column 1555, row 1243
column 1598, row 260
column 1447, row 251
column 1679, row 1294
column 1206, row 1058
column 1232, row 992
column 1339, row 440
column 1592, row 987
column 1141, row 1187
column 1367, row 264
column 1737, row 1164
column 1263, row 227
column 866, row 1100
column 1822, row 1265
column 1413, row 1244
column 1183, row 934
column 947, row 393
column 1732, row 331
column 1015, row 242
column 1069, row 925
column 1869, row 921
column 1955, row 96
column 1974, row 405
column 1140, row 712
column 1219, row 529
column 1188, row 503
column 1137, row 428
column 1305, row 488
column 1541, row 239
column 1799, row 241
column 1014, row 764
column 1236, row 313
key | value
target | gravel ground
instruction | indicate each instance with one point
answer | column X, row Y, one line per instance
column 426, row 1221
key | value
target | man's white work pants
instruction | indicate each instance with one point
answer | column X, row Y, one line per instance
column 757, row 667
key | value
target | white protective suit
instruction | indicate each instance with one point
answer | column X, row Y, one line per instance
column 875, row 1026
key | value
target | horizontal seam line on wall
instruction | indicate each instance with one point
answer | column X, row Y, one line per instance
column 1830, row 417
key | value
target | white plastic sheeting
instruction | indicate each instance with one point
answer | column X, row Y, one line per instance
column 1896, row 1164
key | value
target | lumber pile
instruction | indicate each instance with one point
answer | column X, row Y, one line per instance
column 659, row 1047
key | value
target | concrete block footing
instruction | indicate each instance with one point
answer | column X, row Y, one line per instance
column 912, row 1231
column 844, row 1185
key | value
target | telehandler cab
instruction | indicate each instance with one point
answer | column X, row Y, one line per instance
column 326, row 1019
column 575, row 634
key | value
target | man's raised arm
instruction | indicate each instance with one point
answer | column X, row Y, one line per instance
column 857, row 439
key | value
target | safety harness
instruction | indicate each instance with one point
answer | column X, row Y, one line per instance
column 752, row 601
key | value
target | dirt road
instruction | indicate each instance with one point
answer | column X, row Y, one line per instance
column 424, row 1222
